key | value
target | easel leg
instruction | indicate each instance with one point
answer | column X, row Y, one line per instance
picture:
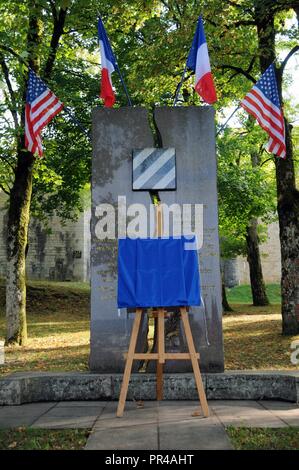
column 129, row 362
column 159, row 381
column 161, row 352
column 194, row 361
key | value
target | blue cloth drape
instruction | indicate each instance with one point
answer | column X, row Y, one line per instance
column 157, row 272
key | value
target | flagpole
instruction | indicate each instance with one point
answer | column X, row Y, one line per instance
column 118, row 70
column 123, row 84
column 224, row 125
column 179, row 86
column 78, row 123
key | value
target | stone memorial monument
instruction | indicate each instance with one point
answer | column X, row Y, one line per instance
column 121, row 205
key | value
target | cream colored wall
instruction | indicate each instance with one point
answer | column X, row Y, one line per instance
column 52, row 255
column 270, row 253
column 48, row 252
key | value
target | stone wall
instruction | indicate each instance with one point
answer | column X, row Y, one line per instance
column 270, row 254
column 59, row 252
column 63, row 253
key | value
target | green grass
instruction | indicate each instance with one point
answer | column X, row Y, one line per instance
column 264, row 438
column 61, row 286
column 43, row 439
column 58, row 329
column 242, row 294
column 59, row 332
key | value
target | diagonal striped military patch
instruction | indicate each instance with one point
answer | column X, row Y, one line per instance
column 154, row 168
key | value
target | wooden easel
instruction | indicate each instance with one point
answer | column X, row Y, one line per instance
column 161, row 356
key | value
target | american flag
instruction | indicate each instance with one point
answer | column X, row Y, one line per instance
column 263, row 103
column 41, row 106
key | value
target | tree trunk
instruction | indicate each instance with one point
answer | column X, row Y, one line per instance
column 18, row 221
column 287, row 194
column 258, row 290
column 19, row 203
column 288, row 213
column 225, row 305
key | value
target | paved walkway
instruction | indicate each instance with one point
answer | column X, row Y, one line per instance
column 166, row 425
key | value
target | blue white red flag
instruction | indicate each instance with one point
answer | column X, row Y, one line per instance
column 41, row 106
column 198, row 61
column 263, row 103
column 108, row 64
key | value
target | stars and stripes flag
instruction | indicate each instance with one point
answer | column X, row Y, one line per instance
column 108, row 64
column 41, row 106
column 263, row 103
column 198, row 61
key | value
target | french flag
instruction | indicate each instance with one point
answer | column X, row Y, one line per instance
column 198, row 61
column 108, row 64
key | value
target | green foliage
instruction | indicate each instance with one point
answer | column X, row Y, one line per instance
column 151, row 40
column 63, row 173
column 246, row 187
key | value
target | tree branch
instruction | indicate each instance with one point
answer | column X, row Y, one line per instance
column 286, row 59
column 5, row 160
column 76, row 30
column 208, row 20
column 233, row 4
column 267, row 160
column 178, row 8
column 59, row 22
column 239, row 70
column 175, row 17
column 243, row 23
column 13, row 107
column 53, row 9
column 15, row 54
column 6, row 191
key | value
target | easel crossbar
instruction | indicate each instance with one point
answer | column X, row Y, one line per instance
column 167, row 356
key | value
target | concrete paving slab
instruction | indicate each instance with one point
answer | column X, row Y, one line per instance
column 167, row 425
column 235, row 404
column 81, row 404
column 133, row 416
column 27, row 409
column 78, row 411
column 286, row 412
column 173, row 411
column 191, row 435
column 70, row 417
column 245, row 413
column 170, row 426
column 141, row 437
column 23, row 415
column 131, row 407
column 279, row 405
column 52, row 422
column 177, row 403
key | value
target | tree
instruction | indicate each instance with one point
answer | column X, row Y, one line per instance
column 263, row 15
column 20, row 199
column 55, row 39
column 246, row 33
column 246, row 194
column 151, row 40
